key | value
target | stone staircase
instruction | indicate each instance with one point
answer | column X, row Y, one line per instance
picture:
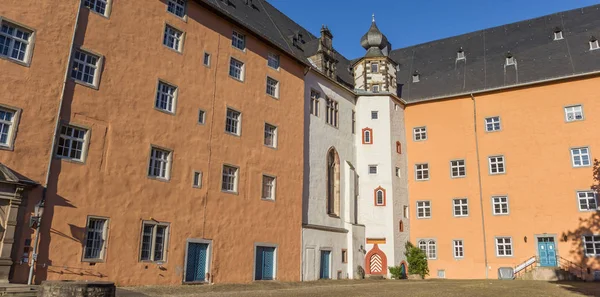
column 18, row 290
column 549, row 274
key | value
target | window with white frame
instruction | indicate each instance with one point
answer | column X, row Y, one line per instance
column 374, row 67
column 85, row 67
column 331, row 117
column 504, row 247
column 314, row 102
column 372, row 169
column 95, row 238
column 160, row 163
column 273, row 60
column 236, row 69
column 72, row 143
column 99, row 6
column 459, row 250
column 268, row 187
column 460, row 55
column 201, row 117
column 374, row 115
column 270, row 135
column 197, row 179
column 232, row 121
column 176, row 7
column 272, row 87
column 7, row 126
column 15, row 41
column 458, row 168
column 154, row 241
column 379, row 198
column 238, row 40
column 591, row 245
column 166, row 95
column 229, row 181
column 573, row 113
column 496, row 164
column 580, row 156
column 461, row 207
column 206, row 59
column 492, row 124
column 420, row 133
column 423, row 209
column 422, row 171
column 500, row 205
column 429, row 247
column 173, row 38
column 587, row 201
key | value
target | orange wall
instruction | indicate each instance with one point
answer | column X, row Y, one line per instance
column 540, row 181
column 113, row 181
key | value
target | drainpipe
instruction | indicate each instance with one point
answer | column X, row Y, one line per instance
column 485, row 259
column 51, row 151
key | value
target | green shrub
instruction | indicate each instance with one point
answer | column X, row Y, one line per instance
column 417, row 260
column 397, row 273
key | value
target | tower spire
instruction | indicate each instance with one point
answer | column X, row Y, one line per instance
column 373, row 18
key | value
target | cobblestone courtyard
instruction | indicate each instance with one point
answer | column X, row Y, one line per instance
column 446, row 288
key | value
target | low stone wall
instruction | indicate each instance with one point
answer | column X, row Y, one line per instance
column 76, row 289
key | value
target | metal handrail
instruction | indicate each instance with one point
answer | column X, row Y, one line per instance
column 572, row 266
column 524, row 266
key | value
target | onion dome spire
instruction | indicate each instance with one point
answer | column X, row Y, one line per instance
column 374, row 41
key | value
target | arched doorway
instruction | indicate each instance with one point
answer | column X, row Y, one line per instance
column 376, row 262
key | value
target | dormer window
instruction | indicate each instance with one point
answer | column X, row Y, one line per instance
column 460, row 55
column 510, row 59
column 416, row 77
column 558, row 34
column 594, row 44
column 374, row 67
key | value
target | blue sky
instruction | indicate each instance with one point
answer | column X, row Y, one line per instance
column 410, row 22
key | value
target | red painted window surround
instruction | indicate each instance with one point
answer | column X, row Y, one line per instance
column 367, row 136
column 375, row 196
column 398, row 147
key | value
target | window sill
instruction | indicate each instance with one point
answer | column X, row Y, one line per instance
column 333, row 216
column 181, row 18
column 174, row 50
column 91, row 86
column 237, row 79
column 582, row 166
column 233, row 134
column 82, row 162
column 93, row 261
column 271, row 147
column 267, row 199
column 164, row 111
column 99, row 14
column 498, row 173
column 274, row 97
column 7, row 148
column 160, row 179
column 421, row 180
column 239, row 49
column 19, row 62
column 423, row 218
column 230, row 192
column 275, row 69
column 458, row 177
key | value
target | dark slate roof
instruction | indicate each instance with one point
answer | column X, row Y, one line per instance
column 539, row 57
column 9, row 176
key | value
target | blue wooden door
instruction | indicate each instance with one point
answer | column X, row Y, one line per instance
column 547, row 251
column 265, row 263
column 325, row 260
column 195, row 269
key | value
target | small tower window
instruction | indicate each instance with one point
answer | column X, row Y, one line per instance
column 374, row 67
column 594, row 44
column 416, row 77
column 460, row 55
column 510, row 59
column 375, row 88
column 558, row 34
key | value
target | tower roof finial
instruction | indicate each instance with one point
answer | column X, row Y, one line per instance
column 373, row 18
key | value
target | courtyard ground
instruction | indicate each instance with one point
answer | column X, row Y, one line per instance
column 348, row 288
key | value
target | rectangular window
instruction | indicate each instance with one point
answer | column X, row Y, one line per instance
column 374, row 67
column 229, row 181
column 461, row 207
column 419, row 133
column 99, row 6
column 201, row 117
column 374, row 115
column 95, row 238
column 344, row 256
column 459, row 251
column 372, row 169
column 238, row 40
column 268, row 187
column 160, row 163
column 580, row 156
column 398, row 172
column 458, row 168
column 353, row 122
column 176, row 7
column 573, row 113
column 166, row 95
column 72, row 143
column 84, row 67
column 232, row 122
column 206, row 59
column 332, row 112
column 7, row 126
column 504, row 247
column 496, row 164
column 314, row 102
column 273, row 60
column 405, row 211
column 272, row 87
column 173, row 38
column 422, row 171
column 500, row 205
column 236, row 69
column 375, row 88
column 15, row 42
column 587, row 201
column 423, row 209
column 591, row 245
column 154, row 241
column 197, row 179
column 270, row 135
column 429, row 247
column 492, row 124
